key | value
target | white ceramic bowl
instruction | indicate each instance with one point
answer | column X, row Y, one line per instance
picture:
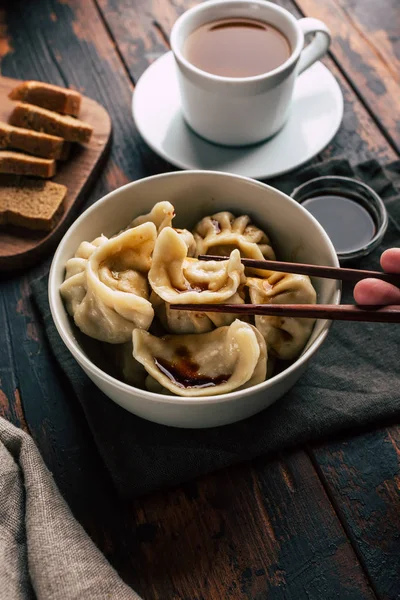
column 295, row 235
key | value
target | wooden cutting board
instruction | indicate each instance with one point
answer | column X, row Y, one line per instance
column 21, row 247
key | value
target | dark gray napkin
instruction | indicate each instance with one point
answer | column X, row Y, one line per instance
column 353, row 380
column 45, row 553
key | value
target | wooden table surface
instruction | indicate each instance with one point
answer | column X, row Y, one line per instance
column 319, row 522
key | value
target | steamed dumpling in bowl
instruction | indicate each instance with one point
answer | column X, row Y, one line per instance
column 176, row 278
column 107, row 293
column 221, row 361
column 222, row 232
column 75, row 272
column 285, row 336
column 114, row 286
column 162, row 215
column 181, row 321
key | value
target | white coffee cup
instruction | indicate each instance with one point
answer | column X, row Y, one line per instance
column 236, row 111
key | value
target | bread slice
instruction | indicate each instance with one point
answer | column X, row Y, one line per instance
column 30, row 203
column 25, row 164
column 32, row 142
column 66, row 151
column 40, row 119
column 49, row 96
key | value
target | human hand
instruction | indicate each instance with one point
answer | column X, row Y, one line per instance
column 375, row 291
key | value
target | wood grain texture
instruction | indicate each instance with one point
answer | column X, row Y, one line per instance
column 358, row 138
column 20, row 248
column 10, row 399
column 54, row 416
column 262, row 533
column 243, row 534
column 362, row 475
column 141, row 29
column 54, row 419
column 366, row 45
column 76, row 30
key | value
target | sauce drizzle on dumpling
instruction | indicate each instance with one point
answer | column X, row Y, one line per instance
column 183, row 371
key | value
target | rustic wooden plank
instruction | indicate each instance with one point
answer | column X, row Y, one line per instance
column 365, row 44
column 79, row 65
column 44, row 396
column 54, row 416
column 367, row 142
column 72, row 37
column 141, row 29
column 52, row 412
column 381, row 25
column 28, row 52
column 10, row 400
column 349, row 468
column 67, row 43
column 236, row 536
column 362, row 475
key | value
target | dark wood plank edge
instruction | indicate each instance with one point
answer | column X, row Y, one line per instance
column 355, row 66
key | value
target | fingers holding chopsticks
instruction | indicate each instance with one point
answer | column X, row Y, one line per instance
column 373, row 291
column 378, row 292
column 390, row 260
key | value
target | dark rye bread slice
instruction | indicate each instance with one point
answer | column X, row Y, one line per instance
column 48, row 96
column 30, row 203
column 40, row 119
column 65, row 151
column 32, row 142
column 25, row 164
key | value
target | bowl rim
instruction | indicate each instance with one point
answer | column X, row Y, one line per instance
column 88, row 365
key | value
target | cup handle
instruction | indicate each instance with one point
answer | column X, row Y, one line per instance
column 318, row 46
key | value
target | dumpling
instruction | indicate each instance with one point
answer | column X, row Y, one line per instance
column 161, row 215
column 285, row 336
column 179, row 321
column 188, row 238
column 221, row 233
column 177, row 279
column 182, row 321
column 218, row 362
column 75, row 291
column 108, row 296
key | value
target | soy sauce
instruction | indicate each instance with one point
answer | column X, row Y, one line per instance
column 349, row 225
column 183, row 371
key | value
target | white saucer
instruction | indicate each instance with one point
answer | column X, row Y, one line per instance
column 316, row 115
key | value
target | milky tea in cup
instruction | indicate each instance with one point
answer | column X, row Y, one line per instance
column 237, row 47
column 237, row 62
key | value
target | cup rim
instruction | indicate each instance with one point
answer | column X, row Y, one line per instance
column 293, row 58
column 76, row 351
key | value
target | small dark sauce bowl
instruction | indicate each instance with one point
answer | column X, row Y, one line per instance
column 353, row 190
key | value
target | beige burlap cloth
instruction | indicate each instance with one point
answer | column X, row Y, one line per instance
column 44, row 552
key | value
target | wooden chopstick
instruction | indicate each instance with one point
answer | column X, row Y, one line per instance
column 312, row 270
column 333, row 312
